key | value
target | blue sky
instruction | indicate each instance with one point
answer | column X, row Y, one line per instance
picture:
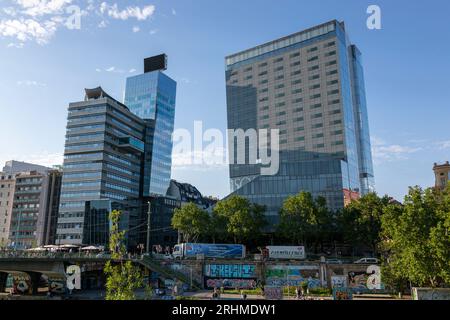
column 44, row 66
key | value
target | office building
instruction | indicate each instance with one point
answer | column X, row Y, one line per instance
column 102, row 161
column 442, row 175
column 151, row 96
column 309, row 86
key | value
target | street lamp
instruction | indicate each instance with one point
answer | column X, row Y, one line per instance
column 148, row 226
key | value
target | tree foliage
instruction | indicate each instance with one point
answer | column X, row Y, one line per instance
column 360, row 221
column 416, row 239
column 243, row 220
column 305, row 220
column 122, row 277
column 191, row 221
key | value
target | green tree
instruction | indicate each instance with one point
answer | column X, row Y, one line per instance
column 416, row 239
column 122, row 277
column 361, row 221
column 244, row 220
column 191, row 221
column 305, row 220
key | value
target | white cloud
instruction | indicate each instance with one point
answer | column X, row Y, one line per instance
column 36, row 8
column 136, row 29
column 132, row 70
column 153, row 31
column 28, row 29
column 31, row 83
column 15, row 45
column 442, row 145
column 384, row 152
column 127, row 13
column 174, row 12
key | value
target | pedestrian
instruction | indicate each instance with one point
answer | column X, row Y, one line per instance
column 297, row 293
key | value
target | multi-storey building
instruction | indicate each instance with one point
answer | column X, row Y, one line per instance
column 35, row 206
column 151, row 96
column 13, row 167
column 309, row 86
column 442, row 175
column 102, row 161
column 7, row 186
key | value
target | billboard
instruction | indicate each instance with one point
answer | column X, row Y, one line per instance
column 284, row 252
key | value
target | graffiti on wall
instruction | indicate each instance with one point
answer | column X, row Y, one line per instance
column 231, row 283
column 338, row 282
column 430, row 294
column 230, row 271
column 291, row 275
column 187, row 271
column 366, row 280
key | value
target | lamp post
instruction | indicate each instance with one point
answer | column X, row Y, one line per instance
column 148, row 226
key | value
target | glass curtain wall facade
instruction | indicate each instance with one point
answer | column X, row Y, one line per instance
column 310, row 87
column 151, row 96
column 102, row 160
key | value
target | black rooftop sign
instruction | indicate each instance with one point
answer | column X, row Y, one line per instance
column 155, row 63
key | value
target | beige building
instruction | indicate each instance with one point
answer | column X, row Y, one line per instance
column 7, row 186
column 442, row 174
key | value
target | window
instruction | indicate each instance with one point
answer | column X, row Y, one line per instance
column 279, row 68
column 280, row 95
column 262, row 73
column 296, row 82
column 315, row 86
column 282, row 113
column 299, row 119
column 264, row 90
column 331, row 53
column 278, row 60
column 337, row 143
column 313, row 49
column 317, row 126
column 297, row 91
column 330, row 44
column 320, row 145
column 314, row 77
column 300, row 139
column 296, row 54
column 313, row 68
column 315, row 106
column 280, row 86
column 331, row 92
column 295, row 73
column 280, row 77
column 333, row 112
column 332, row 82
column 318, row 135
column 263, row 81
column 296, row 63
column 280, row 104
column 335, row 122
column 313, row 59
column 330, row 73
column 281, row 123
column 337, row 132
column 330, row 63
column 316, row 116
column 315, row 96
column 263, row 65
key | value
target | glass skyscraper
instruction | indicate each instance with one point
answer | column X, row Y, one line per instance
column 151, row 96
column 309, row 86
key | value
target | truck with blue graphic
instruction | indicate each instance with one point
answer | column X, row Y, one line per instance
column 217, row 251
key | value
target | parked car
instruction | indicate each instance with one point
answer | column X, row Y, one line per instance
column 334, row 261
column 367, row 261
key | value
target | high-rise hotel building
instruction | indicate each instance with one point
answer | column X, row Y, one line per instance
column 310, row 86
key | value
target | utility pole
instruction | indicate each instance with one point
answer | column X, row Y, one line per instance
column 148, row 226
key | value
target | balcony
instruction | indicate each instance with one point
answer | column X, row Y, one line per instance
column 131, row 144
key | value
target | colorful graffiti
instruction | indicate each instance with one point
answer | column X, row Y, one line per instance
column 230, row 271
column 231, row 283
column 338, row 281
column 366, row 280
column 289, row 275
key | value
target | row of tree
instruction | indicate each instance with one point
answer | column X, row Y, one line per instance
column 412, row 239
